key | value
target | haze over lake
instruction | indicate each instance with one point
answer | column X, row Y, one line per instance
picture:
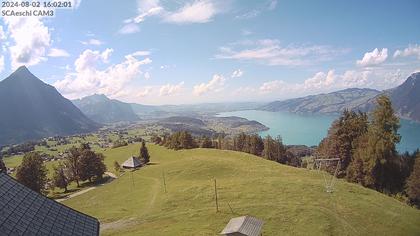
column 311, row 129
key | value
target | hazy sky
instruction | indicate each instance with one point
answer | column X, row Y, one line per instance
column 167, row 52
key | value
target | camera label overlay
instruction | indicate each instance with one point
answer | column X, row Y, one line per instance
column 33, row 8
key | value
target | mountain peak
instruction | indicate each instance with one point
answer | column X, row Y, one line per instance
column 96, row 98
column 414, row 77
column 22, row 73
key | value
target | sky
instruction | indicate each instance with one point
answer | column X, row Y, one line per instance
column 195, row 51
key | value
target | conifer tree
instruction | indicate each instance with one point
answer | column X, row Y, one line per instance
column 117, row 166
column 144, row 153
column 206, row 143
column 377, row 149
column 413, row 183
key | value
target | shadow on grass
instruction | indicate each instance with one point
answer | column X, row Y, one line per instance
column 96, row 182
column 152, row 163
column 83, row 185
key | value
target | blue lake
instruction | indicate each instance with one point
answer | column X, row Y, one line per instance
column 311, row 129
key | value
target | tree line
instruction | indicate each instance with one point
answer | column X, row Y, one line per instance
column 80, row 164
column 268, row 148
column 366, row 147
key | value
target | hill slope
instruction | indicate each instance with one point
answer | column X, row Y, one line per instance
column 406, row 97
column 291, row 201
column 32, row 109
column 405, row 100
column 334, row 102
column 101, row 109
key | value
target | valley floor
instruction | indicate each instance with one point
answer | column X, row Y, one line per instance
column 291, row 201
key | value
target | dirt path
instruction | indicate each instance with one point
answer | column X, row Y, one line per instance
column 88, row 189
column 133, row 221
column 75, row 194
column 155, row 190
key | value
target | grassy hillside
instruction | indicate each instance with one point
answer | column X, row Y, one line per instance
column 291, row 201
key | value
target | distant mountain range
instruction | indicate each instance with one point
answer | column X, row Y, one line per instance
column 405, row 99
column 32, row 109
column 325, row 103
column 101, row 109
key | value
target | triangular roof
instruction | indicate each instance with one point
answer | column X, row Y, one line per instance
column 131, row 162
column 26, row 212
column 246, row 225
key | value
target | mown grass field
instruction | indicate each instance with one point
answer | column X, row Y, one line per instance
column 291, row 201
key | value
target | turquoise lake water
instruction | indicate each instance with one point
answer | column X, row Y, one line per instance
column 311, row 129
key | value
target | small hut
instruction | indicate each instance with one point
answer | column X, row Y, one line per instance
column 131, row 163
column 243, row 226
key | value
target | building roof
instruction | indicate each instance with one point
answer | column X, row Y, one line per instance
column 246, row 225
column 26, row 212
column 132, row 162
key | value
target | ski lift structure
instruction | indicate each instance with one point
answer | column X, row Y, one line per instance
column 321, row 165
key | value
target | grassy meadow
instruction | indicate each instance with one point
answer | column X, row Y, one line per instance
column 291, row 201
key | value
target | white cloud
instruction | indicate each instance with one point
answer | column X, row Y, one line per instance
column 147, row 75
column 141, row 53
column 237, row 73
column 412, row 50
column 198, row 11
column 266, row 6
column 112, row 81
column 248, row 15
column 56, row 52
column 2, row 33
column 375, row 57
column 272, row 5
column 272, row 86
column 244, row 90
column 147, row 8
column 320, row 80
column 129, row 29
column 195, row 12
column 330, row 81
column 95, row 42
column 89, row 59
column 31, row 40
column 145, row 92
column 1, row 63
column 170, row 90
column 271, row 52
column 214, row 85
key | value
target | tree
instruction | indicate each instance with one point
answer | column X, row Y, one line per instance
column 32, row 172
column 117, row 166
column 268, row 148
column 156, row 139
column 91, row 165
column 72, row 164
column 3, row 167
column 206, row 143
column 60, row 179
column 144, row 153
column 413, row 183
column 341, row 138
column 256, row 145
column 180, row 140
column 376, row 150
column 274, row 150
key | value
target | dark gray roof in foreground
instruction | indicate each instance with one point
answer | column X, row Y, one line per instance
column 246, row 225
column 25, row 212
